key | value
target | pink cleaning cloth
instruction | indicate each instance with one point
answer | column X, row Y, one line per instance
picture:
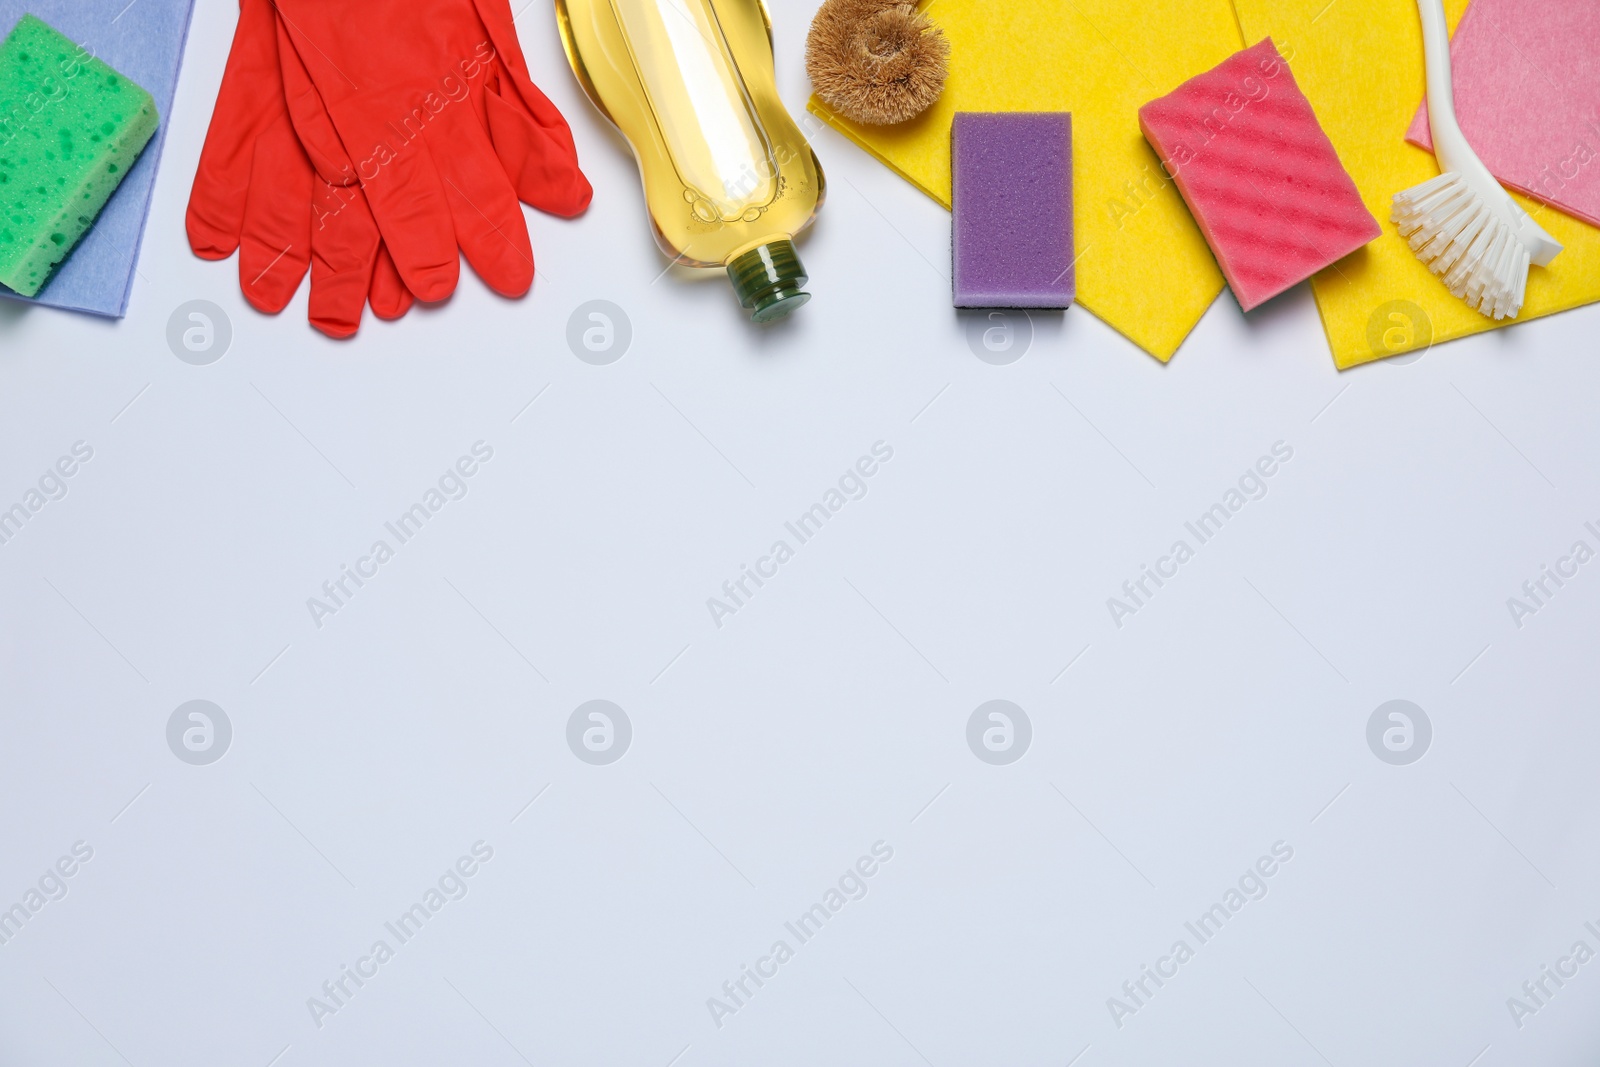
column 1527, row 84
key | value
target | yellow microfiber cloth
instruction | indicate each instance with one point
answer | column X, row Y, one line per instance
column 1360, row 64
column 1142, row 263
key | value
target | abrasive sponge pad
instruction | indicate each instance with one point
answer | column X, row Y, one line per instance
column 70, row 128
column 1011, row 209
column 1258, row 173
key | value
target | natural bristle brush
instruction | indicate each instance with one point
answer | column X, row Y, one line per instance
column 1462, row 224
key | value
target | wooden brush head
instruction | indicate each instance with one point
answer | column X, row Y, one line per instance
column 876, row 61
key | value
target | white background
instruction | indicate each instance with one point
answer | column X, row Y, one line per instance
column 830, row 712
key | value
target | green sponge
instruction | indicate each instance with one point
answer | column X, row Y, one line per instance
column 70, row 128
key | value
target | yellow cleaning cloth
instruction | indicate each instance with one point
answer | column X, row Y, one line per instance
column 1142, row 264
column 1360, row 64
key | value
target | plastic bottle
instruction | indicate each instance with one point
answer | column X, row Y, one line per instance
column 728, row 177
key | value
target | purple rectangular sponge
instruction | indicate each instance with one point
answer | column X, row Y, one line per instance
column 1011, row 209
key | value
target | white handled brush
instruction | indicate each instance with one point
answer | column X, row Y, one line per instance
column 1462, row 224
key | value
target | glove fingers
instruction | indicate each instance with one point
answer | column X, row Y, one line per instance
column 344, row 249
column 249, row 100
column 389, row 296
column 497, row 21
column 530, row 135
column 311, row 119
column 543, row 170
column 275, row 236
column 433, row 180
column 488, row 220
column 412, row 210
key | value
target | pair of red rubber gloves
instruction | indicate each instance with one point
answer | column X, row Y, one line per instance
column 370, row 140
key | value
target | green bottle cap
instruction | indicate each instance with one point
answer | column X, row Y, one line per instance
column 768, row 280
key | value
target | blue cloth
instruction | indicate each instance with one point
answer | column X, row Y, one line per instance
column 142, row 40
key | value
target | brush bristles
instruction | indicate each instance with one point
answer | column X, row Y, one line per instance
column 878, row 62
column 1466, row 243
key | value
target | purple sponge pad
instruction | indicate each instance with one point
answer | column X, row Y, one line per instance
column 1011, row 208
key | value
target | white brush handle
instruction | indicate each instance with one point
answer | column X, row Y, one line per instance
column 1441, row 92
column 1451, row 147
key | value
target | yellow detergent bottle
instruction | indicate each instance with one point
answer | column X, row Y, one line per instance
column 728, row 177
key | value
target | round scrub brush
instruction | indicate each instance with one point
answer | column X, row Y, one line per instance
column 875, row 61
column 1462, row 224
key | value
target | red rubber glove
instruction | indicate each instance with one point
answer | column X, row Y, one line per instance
column 429, row 105
column 256, row 191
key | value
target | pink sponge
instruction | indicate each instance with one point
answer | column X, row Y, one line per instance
column 1258, row 173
